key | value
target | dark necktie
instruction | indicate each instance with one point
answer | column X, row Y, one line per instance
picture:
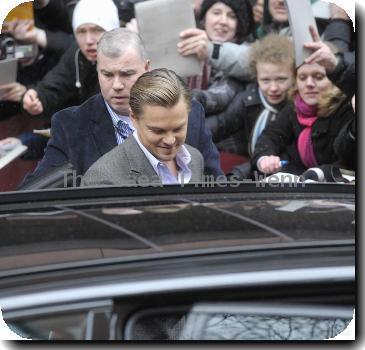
column 123, row 129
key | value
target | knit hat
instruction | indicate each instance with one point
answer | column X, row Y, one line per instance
column 103, row 13
column 242, row 10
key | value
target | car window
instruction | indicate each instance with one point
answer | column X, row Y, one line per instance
column 248, row 322
column 70, row 326
column 90, row 323
column 237, row 327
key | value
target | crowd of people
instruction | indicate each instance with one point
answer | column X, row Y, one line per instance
column 116, row 121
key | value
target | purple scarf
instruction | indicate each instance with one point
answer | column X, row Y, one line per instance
column 306, row 115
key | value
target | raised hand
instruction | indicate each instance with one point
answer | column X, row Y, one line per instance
column 322, row 54
column 32, row 103
column 194, row 41
column 12, row 92
column 25, row 31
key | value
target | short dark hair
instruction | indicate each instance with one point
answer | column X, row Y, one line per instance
column 243, row 11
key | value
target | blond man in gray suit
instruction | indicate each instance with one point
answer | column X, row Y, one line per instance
column 155, row 153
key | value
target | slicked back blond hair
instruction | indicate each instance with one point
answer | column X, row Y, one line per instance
column 158, row 87
column 273, row 48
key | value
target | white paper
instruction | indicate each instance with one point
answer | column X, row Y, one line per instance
column 8, row 70
column 43, row 132
column 321, row 9
column 160, row 23
column 12, row 154
column 300, row 18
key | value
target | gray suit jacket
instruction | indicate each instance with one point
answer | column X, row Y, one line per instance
column 127, row 165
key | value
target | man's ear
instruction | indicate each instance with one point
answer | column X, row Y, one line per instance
column 147, row 65
column 133, row 118
column 131, row 114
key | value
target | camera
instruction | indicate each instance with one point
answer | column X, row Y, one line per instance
column 7, row 45
column 9, row 48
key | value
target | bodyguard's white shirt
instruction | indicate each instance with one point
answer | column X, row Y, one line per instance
column 183, row 158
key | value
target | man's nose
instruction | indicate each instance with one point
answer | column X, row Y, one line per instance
column 169, row 139
column 118, row 84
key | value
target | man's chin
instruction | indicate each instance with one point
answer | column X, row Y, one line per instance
column 121, row 109
column 166, row 156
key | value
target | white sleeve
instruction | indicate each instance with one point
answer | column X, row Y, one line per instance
column 233, row 60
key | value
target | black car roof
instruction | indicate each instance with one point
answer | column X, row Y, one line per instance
column 103, row 226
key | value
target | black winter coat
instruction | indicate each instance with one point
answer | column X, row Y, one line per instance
column 220, row 93
column 345, row 146
column 280, row 137
column 344, row 77
column 232, row 128
column 58, row 88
